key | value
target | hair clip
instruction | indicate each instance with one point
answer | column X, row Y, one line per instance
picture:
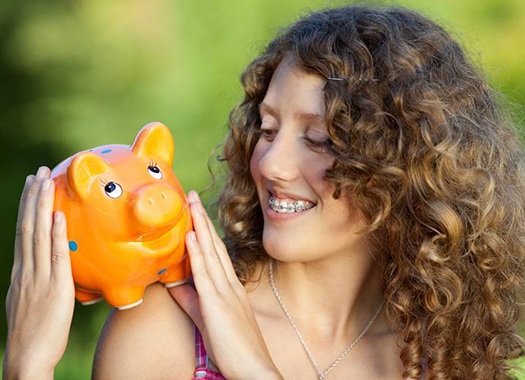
column 368, row 80
column 359, row 80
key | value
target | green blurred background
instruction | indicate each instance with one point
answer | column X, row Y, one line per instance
column 77, row 74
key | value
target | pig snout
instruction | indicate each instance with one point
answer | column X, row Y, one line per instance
column 157, row 207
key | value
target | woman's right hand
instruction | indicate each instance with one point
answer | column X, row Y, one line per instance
column 40, row 299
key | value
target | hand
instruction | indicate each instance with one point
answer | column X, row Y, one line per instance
column 40, row 299
column 219, row 307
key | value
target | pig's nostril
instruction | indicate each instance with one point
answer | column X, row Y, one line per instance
column 150, row 201
column 163, row 195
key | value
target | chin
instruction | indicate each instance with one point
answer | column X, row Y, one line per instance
column 287, row 251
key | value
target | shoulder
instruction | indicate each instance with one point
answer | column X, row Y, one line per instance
column 154, row 340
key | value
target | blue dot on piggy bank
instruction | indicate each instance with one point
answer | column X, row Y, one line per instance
column 106, row 151
column 163, row 270
column 73, row 246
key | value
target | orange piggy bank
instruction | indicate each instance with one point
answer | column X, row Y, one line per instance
column 127, row 217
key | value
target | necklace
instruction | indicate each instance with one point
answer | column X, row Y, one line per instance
column 321, row 374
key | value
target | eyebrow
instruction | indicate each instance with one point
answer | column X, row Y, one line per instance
column 307, row 116
column 264, row 107
column 311, row 117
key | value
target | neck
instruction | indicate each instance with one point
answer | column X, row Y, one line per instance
column 332, row 300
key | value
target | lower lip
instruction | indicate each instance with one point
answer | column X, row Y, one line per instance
column 272, row 214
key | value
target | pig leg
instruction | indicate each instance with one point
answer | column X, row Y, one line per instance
column 177, row 274
column 124, row 297
column 87, row 298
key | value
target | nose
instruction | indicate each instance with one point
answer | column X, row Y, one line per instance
column 156, row 207
column 279, row 159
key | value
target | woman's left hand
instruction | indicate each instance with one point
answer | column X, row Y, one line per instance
column 219, row 306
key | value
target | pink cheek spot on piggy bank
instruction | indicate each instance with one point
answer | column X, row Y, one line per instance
column 127, row 218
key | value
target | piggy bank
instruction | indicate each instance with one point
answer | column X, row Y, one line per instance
column 127, row 218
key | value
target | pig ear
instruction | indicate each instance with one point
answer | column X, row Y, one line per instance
column 81, row 171
column 155, row 141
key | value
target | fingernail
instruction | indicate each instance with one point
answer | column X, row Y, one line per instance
column 41, row 172
column 29, row 179
column 191, row 235
column 46, row 185
column 197, row 206
column 58, row 216
column 193, row 197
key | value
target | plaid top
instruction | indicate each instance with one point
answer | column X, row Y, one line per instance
column 204, row 368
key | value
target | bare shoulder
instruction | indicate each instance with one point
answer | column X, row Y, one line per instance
column 151, row 341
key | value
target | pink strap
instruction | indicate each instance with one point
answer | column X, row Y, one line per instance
column 202, row 370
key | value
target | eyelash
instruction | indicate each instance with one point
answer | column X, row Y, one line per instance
column 318, row 145
column 268, row 133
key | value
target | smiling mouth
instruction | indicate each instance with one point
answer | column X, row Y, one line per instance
column 287, row 207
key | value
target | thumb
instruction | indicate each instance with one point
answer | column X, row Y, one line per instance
column 188, row 299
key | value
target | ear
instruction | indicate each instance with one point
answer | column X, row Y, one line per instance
column 82, row 169
column 155, row 140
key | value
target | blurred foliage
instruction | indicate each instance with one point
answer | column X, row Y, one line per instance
column 77, row 74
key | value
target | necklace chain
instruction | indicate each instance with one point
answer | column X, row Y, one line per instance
column 322, row 374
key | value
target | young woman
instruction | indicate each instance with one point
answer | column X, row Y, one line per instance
column 373, row 219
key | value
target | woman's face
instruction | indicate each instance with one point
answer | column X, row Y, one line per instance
column 302, row 220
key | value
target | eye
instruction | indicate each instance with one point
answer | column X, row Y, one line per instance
column 268, row 133
column 113, row 190
column 318, row 142
column 154, row 171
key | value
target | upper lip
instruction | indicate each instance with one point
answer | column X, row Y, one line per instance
column 286, row 195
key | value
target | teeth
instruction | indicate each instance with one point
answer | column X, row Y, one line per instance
column 289, row 207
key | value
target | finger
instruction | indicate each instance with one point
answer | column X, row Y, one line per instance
column 221, row 250
column 43, row 224
column 218, row 245
column 60, row 260
column 17, row 262
column 206, row 248
column 201, row 276
column 26, row 220
column 188, row 299
column 194, row 197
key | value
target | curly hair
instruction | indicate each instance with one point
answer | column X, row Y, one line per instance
column 421, row 143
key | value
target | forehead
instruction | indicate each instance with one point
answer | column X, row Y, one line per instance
column 293, row 87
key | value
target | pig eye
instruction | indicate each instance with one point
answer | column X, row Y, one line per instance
column 113, row 190
column 154, row 171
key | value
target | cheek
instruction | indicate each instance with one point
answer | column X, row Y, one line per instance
column 348, row 214
column 254, row 163
column 315, row 171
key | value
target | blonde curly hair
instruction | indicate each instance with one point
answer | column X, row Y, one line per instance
column 432, row 162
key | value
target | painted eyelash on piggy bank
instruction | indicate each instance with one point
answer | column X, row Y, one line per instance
column 127, row 218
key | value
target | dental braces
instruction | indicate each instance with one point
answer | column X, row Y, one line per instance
column 289, row 207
